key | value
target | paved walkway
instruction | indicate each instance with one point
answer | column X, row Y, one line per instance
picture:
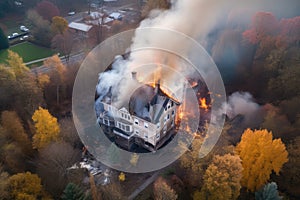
column 144, row 185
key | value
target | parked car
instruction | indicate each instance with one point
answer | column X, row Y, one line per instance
column 15, row 34
column 24, row 29
column 71, row 13
column 25, row 37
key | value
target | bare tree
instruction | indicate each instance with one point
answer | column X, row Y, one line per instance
column 53, row 165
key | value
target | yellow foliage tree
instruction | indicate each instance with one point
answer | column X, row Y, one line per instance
column 222, row 179
column 47, row 128
column 24, row 186
column 260, row 156
column 122, row 177
column 59, row 24
column 16, row 63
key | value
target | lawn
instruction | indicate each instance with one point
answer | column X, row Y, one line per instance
column 27, row 51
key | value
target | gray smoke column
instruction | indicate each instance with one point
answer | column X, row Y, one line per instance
column 241, row 103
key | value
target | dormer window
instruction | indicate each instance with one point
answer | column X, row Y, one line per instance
column 146, row 125
column 136, row 121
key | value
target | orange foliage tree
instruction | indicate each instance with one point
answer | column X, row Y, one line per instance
column 260, row 156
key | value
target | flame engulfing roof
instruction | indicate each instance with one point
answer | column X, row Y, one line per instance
column 149, row 102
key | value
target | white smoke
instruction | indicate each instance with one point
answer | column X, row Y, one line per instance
column 193, row 18
column 241, row 103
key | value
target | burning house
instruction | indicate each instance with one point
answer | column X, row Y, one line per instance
column 147, row 121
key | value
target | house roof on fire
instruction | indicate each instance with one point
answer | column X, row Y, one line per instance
column 146, row 97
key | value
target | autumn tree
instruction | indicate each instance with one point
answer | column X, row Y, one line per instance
column 276, row 121
column 3, row 40
column 162, row 191
column 24, row 186
column 63, row 43
column 47, row 128
column 260, row 156
column 69, row 133
column 54, row 165
column 39, row 28
column 222, row 178
column 19, row 90
column 59, row 25
column 290, row 179
column 155, row 4
column 4, row 194
column 47, row 10
column 12, row 124
column 56, row 79
column 74, row 192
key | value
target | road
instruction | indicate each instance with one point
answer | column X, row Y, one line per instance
column 144, row 185
column 72, row 60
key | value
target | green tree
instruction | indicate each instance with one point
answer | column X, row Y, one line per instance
column 74, row 192
column 24, row 186
column 222, row 178
column 269, row 192
column 162, row 191
column 59, row 25
column 260, row 156
column 47, row 128
column 3, row 40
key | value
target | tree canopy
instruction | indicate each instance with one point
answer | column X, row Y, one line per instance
column 3, row 40
column 260, row 156
column 47, row 128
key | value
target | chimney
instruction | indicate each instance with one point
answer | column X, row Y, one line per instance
column 133, row 74
column 157, row 86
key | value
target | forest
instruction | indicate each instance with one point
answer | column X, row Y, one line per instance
column 256, row 157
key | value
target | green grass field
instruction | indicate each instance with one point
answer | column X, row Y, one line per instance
column 27, row 51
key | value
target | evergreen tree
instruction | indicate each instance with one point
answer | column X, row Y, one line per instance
column 74, row 192
column 3, row 40
column 269, row 192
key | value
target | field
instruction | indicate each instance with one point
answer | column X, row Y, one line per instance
column 27, row 51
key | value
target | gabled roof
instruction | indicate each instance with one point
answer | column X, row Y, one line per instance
column 80, row 26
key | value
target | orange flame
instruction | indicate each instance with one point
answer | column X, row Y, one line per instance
column 203, row 104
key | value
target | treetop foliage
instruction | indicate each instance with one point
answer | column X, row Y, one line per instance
column 260, row 156
column 47, row 128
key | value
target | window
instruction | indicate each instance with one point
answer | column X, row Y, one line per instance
column 172, row 103
column 169, row 106
column 158, row 125
column 137, row 132
column 122, row 115
column 146, row 125
column 146, row 136
column 127, row 128
column 123, row 127
column 168, row 117
column 157, row 136
column 136, row 122
column 173, row 112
